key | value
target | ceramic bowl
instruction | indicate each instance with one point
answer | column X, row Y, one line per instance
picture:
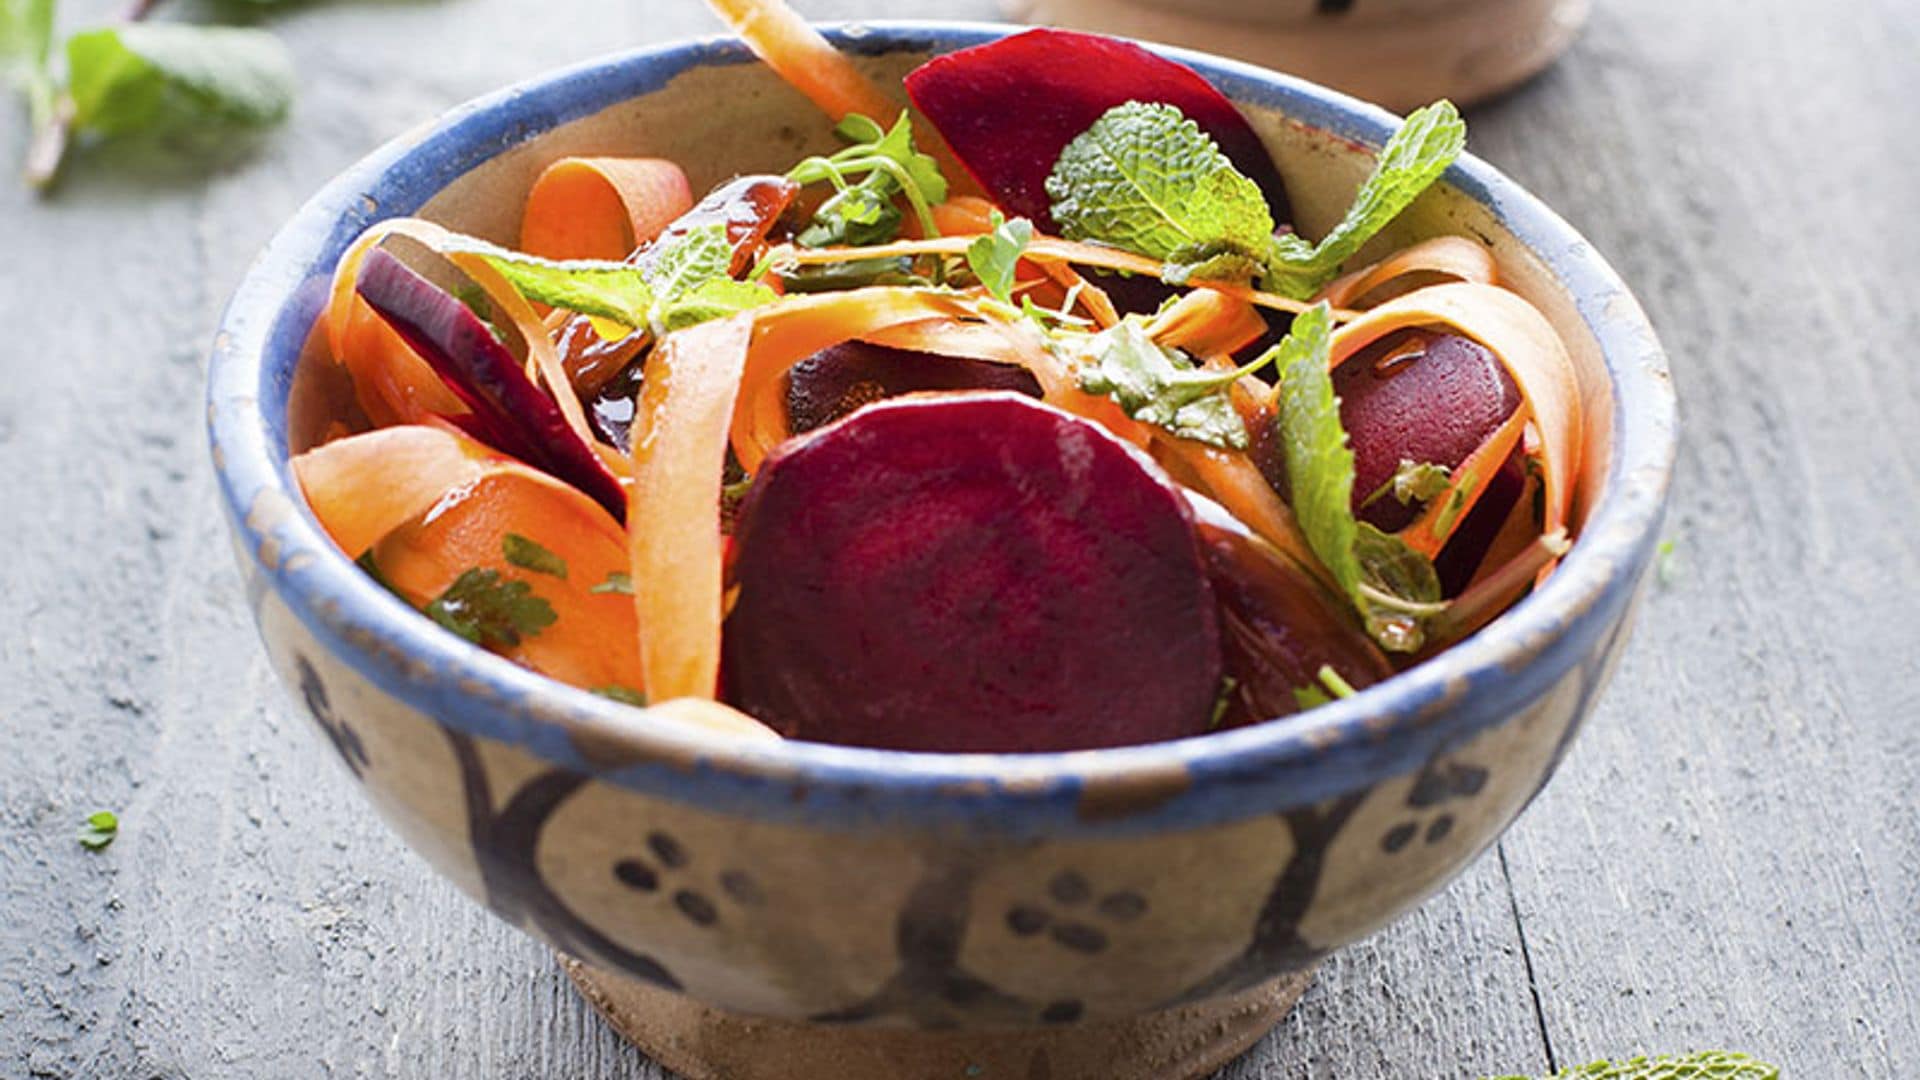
column 1149, row 906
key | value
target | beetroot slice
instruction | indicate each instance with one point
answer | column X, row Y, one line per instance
column 1278, row 626
column 1010, row 106
column 835, row 381
column 509, row 411
column 973, row 572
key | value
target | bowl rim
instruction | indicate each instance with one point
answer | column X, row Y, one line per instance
column 1388, row 729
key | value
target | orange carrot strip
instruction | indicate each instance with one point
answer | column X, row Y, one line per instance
column 1464, row 487
column 364, row 486
column 1236, row 483
column 1453, row 257
column 601, row 207
column 593, row 640
column 680, row 432
column 1208, row 323
column 963, row 215
column 808, row 62
column 1525, row 343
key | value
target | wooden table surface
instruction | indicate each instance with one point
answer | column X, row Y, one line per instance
column 1730, row 856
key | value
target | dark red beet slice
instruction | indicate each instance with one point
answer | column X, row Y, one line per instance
column 1278, row 626
column 747, row 205
column 972, row 572
column 509, row 411
column 1009, row 107
column 1417, row 396
column 835, row 381
column 1460, row 559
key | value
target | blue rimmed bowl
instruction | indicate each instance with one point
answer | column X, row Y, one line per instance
column 789, row 908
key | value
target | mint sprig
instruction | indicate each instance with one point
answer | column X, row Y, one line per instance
column 1393, row 587
column 1162, row 386
column 1147, row 179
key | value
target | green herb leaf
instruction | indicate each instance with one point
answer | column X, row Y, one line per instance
column 697, row 256
column 716, row 298
column 172, row 78
column 994, row 255
column 1411, row 161
column 1222, row 701
column 1413, row 482
column 1147, row 179
column 99, row 829
column 864, row 213
column 488, row 610
column 1705, row 1065
column 624, row 694
column 619, row 581
column 1667, row 564
column 1393, row 587
column 853, row 274
column 26, row 35
column 1161, row 386
column 616, row 291
column 529, row 555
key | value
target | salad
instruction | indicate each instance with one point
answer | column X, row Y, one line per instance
column 1023, row 422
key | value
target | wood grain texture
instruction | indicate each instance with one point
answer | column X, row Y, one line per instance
column 1731, row 856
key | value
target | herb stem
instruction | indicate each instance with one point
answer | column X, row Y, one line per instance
column 51, row 110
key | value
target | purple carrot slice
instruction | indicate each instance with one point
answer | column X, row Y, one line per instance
column 972, row 572
column 1007, row 108
column 1278, row 626
column 509, row 411
column 835, row 381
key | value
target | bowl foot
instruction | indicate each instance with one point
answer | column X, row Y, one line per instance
column 703, row 1043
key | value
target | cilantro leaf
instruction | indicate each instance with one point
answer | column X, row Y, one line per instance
column 171, row 78
column 1161, row 386
column 99, row 829
column 864, row 213
column 617, row 582
column 530, row 555
column 1412, row 160
column 1704, row 1065
column 995, row 254
column 624, row 694
column 489, row 610
column 1147, row 179
column 1393, row 586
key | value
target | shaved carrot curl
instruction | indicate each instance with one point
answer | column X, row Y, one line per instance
column 1448, row 258
column 601, row 207
column 808, row 62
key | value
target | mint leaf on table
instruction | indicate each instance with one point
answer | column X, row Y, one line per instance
column 488, row 610
column 1417, row 154
column 1705, row 1065
column 163, row 79
column 1392, row 586
column 1147, row 179
column 99, row 829
column 530, row 555
column 1161, row 386
column 994, row 256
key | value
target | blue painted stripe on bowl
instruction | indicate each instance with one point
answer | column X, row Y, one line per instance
column 1386, row 730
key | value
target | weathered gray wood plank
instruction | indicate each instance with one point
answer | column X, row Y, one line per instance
column 1729, row 855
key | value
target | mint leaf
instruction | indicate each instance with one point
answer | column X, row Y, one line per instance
column 624, row 694
column 1393, row 586
column 617, row 582
column 616, row 291
column 716, row 298
column 696, row 256
column 994, row 256
column 99, row 829
column 1161, row 386
column 529, row 555
column 1704, row 1065
column 1412, row 160
column 1147, row 179
column 171, row 78
column 488, row 610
